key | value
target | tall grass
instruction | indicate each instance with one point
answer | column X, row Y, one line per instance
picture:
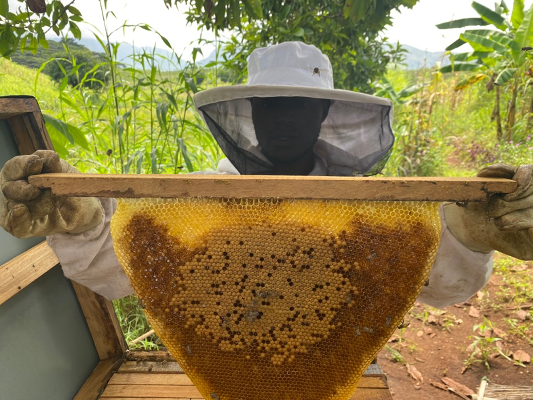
column 142, row 122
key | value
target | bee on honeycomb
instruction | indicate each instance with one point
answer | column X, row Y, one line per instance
column 277, row 299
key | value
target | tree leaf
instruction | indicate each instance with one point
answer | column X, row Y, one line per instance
column 461, row 23
column 469, row 81
column 505, row 76
column 356, row 10
column 70, row 132
column 75, row 30
column 484, row 42
column 518, row 13
column 508, row 42
column 185, row 154
column 459, row 67
column 524, row 34
column 490, row 16
column 471, row 56
column 4, row 8
column 458, row 43
column 504, row 8
column 254, row 9
column 299, row 32
column 153, row 158
column 410, row 90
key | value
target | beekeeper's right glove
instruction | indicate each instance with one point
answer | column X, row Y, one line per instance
column 505, row 223
column 27, row 211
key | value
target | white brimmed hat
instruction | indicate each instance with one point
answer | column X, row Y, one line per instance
column 355, row 139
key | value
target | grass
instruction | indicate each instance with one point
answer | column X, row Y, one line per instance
column 17, row 80
column 134, row 323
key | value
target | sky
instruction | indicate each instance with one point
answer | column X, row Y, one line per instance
column 415, row 27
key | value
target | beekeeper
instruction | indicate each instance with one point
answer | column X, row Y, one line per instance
column 286, row 120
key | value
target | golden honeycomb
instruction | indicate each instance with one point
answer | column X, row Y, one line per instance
column 275, row 299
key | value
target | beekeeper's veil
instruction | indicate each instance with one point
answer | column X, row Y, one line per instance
column 355, row 138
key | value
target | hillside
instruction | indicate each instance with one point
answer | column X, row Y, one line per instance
column 165, row 60
column 417, row 58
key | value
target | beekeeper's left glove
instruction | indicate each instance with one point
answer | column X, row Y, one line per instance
column 505, row 223
column 27, row 211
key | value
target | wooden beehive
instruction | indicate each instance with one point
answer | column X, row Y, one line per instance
column 58, row 339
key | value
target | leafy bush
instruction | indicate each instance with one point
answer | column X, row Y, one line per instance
column 79, row 67
column 516, row 153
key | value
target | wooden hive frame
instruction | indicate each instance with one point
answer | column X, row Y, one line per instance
column 120, row 373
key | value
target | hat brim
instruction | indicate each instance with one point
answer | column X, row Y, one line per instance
column 228, row 93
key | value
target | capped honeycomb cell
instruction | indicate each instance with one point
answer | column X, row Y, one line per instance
column 275, row 299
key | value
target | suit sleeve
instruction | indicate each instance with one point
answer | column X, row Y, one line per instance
column 457, row 272
column 89, row 259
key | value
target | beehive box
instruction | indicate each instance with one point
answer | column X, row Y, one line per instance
column 60, row 340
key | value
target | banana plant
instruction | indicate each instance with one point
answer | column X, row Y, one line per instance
column 499, row 52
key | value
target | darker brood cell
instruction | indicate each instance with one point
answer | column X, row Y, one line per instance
column 154, row 259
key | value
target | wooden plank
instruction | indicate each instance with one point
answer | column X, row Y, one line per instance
column 176, row 379
column 155, row 355
column 29, row 132
column 151, row 398
column 304, row 187
column 98, row 379
column 373, row 382
column 372, row 394
column 102, row 322
column 11, row 106
column 142, row 391
column 150, row 366
column 158, row 391
column 22, row 270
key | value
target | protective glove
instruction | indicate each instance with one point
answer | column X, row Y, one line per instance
column 505, row 223
column 28, row 211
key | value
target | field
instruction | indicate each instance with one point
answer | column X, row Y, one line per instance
column 145, row 123
column 490, row 337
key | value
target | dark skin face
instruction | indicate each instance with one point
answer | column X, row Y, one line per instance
column 287, row 129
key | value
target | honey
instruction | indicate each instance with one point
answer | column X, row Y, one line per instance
column 275, row 299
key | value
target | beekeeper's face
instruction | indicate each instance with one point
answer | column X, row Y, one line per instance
column 287, row 128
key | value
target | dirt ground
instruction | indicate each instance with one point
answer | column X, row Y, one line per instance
column 437, row 343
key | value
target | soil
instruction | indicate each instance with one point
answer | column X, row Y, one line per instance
column 437, row 343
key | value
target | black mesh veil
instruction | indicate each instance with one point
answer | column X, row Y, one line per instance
column 355, row 139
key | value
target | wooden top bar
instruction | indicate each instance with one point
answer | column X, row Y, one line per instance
column 284, row 187
column 12, row 106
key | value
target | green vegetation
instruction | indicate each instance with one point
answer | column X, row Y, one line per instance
column 483, row 345
column 500, row 56
column 134, row 323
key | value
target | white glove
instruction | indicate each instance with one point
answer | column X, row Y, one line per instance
column 28, row 211
column 505, row 223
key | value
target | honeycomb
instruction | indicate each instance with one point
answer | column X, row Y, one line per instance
column 275, row 299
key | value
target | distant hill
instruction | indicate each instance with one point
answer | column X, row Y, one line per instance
column 417, row 58
column 167, row 61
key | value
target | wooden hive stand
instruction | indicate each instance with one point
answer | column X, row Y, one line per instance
column 118, row 373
